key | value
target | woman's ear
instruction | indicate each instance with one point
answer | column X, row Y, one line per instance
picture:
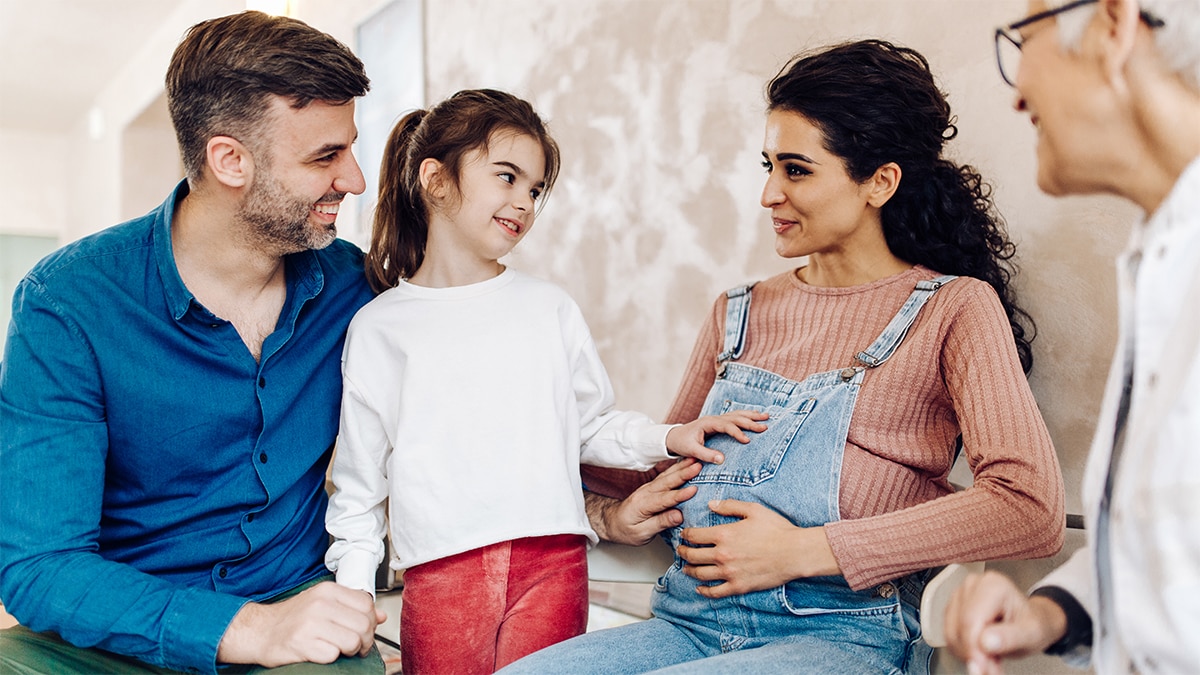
column 883, row 184
column 230, row 162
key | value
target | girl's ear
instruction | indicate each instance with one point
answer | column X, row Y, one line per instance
column 230, row 162
column 432, row 180
column 883, row 184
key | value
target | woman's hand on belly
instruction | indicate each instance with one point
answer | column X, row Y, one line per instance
column 762, row 550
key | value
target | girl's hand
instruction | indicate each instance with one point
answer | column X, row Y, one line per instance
column 687, row 440
column 762, row 550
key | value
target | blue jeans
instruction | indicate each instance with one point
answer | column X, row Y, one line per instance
column 659, row 646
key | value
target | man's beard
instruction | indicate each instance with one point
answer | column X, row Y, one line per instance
column 280, row 220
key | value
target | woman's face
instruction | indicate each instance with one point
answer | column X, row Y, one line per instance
column 816, row 207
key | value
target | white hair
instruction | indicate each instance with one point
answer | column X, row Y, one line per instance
column 1178, row 39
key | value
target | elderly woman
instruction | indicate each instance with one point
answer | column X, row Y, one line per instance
column 1114, row 89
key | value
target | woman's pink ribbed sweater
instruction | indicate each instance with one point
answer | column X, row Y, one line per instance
column 956, row 372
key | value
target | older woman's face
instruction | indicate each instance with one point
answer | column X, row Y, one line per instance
column 1063, row 93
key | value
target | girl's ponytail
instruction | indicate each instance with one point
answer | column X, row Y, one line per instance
column 401, row 224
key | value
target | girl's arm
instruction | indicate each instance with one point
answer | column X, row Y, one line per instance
column 356, row 518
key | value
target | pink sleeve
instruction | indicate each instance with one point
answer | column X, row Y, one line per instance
column 1015, row 509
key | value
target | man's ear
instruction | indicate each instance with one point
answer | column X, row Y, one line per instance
column 883, row 184
column 1117, row 23
column 230, row 162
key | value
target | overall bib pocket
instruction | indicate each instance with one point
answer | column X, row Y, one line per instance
column 749, row 465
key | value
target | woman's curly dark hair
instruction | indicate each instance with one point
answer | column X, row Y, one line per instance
column 875, row 103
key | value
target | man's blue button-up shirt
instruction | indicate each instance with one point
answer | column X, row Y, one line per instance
column 153, row 476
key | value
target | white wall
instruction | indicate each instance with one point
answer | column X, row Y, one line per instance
column 33, row 182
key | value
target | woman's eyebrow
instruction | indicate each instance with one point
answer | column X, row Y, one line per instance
column 792, row 155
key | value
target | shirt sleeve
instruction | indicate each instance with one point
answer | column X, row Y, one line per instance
column 356, row 518
column 53, row 576
column 1074, row 578
column 1016, row 507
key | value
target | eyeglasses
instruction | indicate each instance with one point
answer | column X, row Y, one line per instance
column 1009, row 40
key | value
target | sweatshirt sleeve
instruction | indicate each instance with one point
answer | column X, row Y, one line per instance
column 608, row 437
column 1016, row 507
column 356, row 519
column 689, row 402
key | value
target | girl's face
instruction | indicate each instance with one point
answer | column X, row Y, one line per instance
column 816, row 207
column 498, row 189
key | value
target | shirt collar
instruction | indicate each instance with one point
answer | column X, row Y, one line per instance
column 1181, row 204
column 177, row 295
column 1177, row 209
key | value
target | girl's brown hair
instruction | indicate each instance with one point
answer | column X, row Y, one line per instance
column 448, row 132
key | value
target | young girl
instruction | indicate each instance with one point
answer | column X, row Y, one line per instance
column 472, row 392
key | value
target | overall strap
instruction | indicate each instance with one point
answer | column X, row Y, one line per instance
column 891, row 337
column 737, row 311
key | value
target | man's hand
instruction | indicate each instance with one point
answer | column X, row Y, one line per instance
column 318, row 626
column 988, row 619
column 648, row 511
column 687, row 440
column 762, row 550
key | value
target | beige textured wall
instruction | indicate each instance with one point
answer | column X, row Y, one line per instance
column 658, row 107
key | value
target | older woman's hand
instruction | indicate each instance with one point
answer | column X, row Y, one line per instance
column 988, row 619
column 762, row 550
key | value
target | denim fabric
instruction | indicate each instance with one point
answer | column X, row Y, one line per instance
column 155, row 476
column 808, row 625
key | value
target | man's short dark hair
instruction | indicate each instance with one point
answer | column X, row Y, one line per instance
column 225, row 69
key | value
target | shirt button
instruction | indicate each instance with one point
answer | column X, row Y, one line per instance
column 249, row 517
column 262, row 457
column 222, row 572
column 262, row 382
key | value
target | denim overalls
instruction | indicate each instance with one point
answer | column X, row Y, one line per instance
column 794, row 468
